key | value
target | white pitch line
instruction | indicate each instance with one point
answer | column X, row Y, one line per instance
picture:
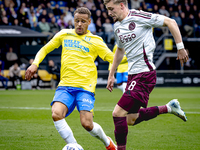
column 49, row 108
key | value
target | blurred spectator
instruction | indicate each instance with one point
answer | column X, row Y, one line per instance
column 97, row 3
column 155, row 9
column 38, row 11
column 93, row 11
column 50, row 15
column 187, row 11
column 70, row 25
column 35, row 76
column 104, row 17
column 4, row 21
column 184, row 5
column 55, row 70
column 89, row 4
column 163, row 11
column 170, row 3
column 36, row 27
column 22, row 15
column 57, row 11
column 24, row 7
column 49, row 8
column 100, row 29
column 195, row 11
column 97, row 16
column 68, row 16
column 92, row 27
column 62, row 23
column 190, row 64
column 177, row 19
column 31, row 9
column 15, row 75
column 144, row 6
column 11, row 57
column 3, row 79
column 72, row 3
column 16, row 22
column 180, row 9
column 171, row 12
column 10, row 9
column 189, row 26
column 43, row 15
column 175, row 5
column 184, row 21
column 1, row 11
column 108, row 28
column 45, row 28
column 79, row 3
column 159, row 3
column 27, row 24
column 197, row 25
column 54, row 27
column 12, row 17
column 102, row 7
column 135, row 4
column 7, row 3
column 33, row 19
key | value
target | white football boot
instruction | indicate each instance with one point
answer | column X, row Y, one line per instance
column 176, row 109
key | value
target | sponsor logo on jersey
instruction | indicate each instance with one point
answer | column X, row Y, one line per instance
column 75, row 45
column 127, row 37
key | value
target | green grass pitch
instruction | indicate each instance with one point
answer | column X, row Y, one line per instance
column 26, row 123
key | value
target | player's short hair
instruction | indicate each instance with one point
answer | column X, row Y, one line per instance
column 83, row 10
column 116, row 2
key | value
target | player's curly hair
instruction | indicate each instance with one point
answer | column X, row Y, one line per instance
column 83, row 10
column 116, row 2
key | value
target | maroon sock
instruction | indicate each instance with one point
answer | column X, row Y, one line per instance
column 147, row 114
column 121, row 147
column 121, row 130
column 162, row 109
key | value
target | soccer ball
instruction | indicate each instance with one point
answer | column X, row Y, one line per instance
column 72, row 146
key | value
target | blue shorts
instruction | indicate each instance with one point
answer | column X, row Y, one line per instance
column 121, row 77
column 73, row 96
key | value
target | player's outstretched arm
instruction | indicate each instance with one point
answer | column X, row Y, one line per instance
column 174, row 29
column 119, row 54
column 30, row 72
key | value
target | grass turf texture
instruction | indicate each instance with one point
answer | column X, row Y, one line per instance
column 26, row 123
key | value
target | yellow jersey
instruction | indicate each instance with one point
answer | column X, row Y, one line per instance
column 122, row 67
column 77, row 59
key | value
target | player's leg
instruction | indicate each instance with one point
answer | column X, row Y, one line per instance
column 62, row 105
column 93, row 128
column 85, row 105
column 145, row 114
column 121, row 127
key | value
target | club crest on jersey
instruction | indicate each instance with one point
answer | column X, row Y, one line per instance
column 131, row 26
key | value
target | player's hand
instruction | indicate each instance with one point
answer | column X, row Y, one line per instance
column 110, row 83
column 30, row 72
column 182, row 56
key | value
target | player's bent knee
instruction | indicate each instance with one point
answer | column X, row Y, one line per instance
column 57, row 116
column 87, row 125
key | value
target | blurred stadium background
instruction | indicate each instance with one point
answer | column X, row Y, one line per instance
column 21, row 29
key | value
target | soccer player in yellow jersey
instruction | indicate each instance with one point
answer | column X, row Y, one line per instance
column 122, row 74
column 78, row 76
